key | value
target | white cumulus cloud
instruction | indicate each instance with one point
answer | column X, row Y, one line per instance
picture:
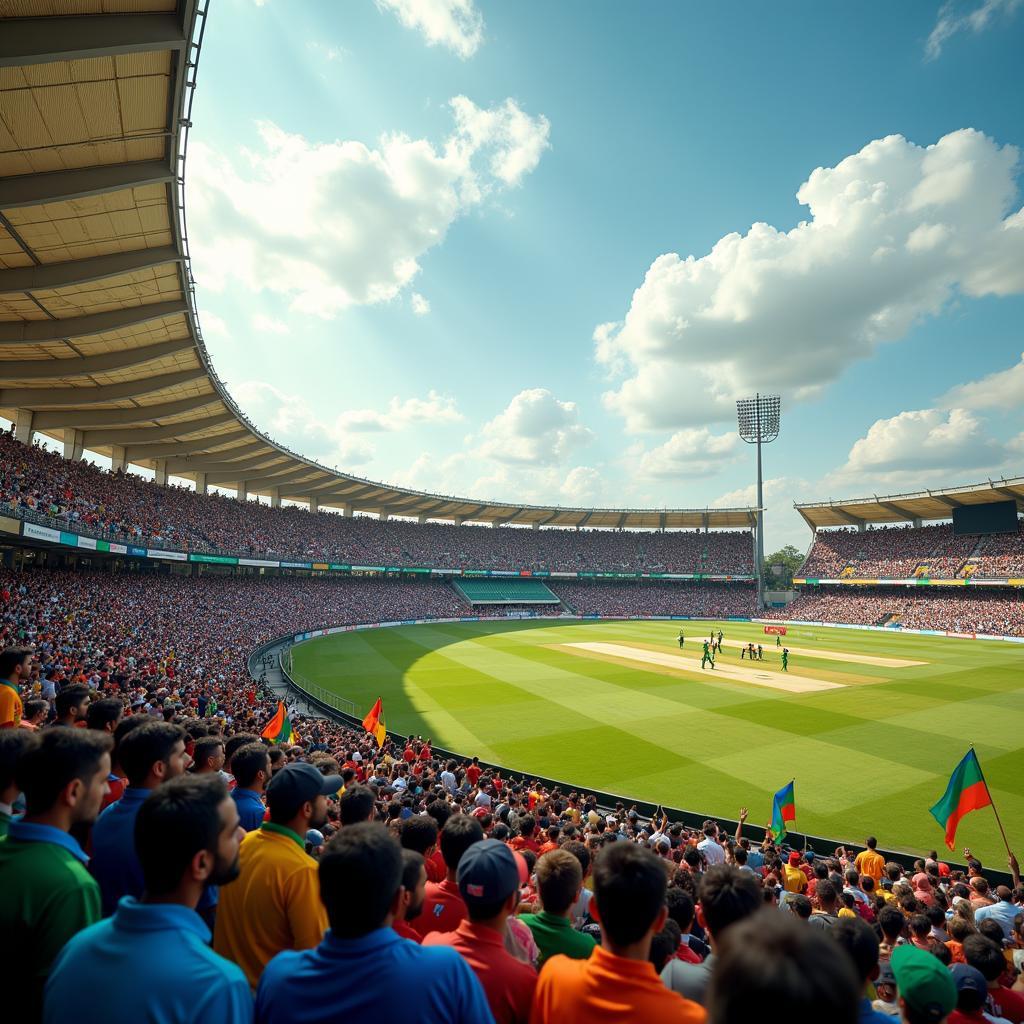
column 955, row 17
column 435, row 408
column 692, row 452
column 268, row 324
column 535, row 428
column 455, row 24
column 893, row 233
column 1001, row 390
column 420, row 305
column 336, row 224
column 288, row 420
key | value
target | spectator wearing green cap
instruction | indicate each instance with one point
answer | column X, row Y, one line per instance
column 927, row 993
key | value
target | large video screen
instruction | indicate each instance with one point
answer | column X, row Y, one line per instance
column 992, row 517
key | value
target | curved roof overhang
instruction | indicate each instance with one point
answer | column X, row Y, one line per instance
column 925, row 506
column 100, row 344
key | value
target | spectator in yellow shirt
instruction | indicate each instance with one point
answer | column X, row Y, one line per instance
column 793, row 879
column 275, row 904
column 15, row 669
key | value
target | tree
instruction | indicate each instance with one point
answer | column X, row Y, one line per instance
column 790, row 558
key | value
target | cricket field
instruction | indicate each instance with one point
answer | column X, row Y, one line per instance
column 869, row 725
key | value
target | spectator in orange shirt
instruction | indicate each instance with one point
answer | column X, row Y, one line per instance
column 618, row 982
column 15, row 669
column 870, row 861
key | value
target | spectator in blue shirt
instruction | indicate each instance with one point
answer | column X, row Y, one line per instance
column 250, row 766
column 151, row 961
column 149, row 756
column 356, row 968
column 1003, row 910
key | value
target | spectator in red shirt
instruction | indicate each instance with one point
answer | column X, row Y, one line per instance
column 419, row 833
column 984, row 955
column 414, row 884
column 488, row 879
column 525, row 840
column 474, row 771
column 443, row 907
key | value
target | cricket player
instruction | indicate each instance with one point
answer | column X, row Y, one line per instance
column 785, row 659
column 681, row 639
column 707, row 656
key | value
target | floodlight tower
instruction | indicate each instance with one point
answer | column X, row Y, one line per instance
column 759, row 424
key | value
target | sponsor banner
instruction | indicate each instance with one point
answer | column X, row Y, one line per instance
column 418, row 572
column 69, row 539
column 136, row 552
column 775, row 630
column 564, row 575
column 89, row 543
column 368, row 568
column 212, row 559
column 469, row 618
column 897, row 629
column 445, row 572
column 41, row 533
column 296, row 565
column 338, row 567
column 261, row 563
column 168, row 556
column 116, row 549
column 501, row 572
column 323, row 566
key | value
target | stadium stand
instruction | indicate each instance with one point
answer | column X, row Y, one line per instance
column 902, row 552
column 39, row 484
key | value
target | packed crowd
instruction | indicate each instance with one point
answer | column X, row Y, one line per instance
column 711, row 600
column 994, row 612
column 901, row 552
column 123, row 507
column 161, row 862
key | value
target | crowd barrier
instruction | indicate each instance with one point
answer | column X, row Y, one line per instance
column 327, row 703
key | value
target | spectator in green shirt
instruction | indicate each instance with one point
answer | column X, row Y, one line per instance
column 49, row 895
column 559, row 881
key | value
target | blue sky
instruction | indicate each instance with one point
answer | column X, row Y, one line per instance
column 506, row 249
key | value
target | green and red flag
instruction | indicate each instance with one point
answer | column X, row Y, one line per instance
column 783, row 812
column 279, row 728
column 373, row 723
column 967, row 791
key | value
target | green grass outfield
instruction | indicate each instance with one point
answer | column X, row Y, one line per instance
column 871, row 757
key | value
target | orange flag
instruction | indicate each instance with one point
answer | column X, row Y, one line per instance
column 373, row 723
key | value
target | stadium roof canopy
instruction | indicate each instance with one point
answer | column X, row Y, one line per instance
column 100, row 345
column 899, row 508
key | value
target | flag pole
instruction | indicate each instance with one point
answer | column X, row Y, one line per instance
column 992, row 804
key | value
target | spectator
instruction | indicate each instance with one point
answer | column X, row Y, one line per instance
column 72, row 705
column 15, row 670
column 859, row 941
column 63, row 778
column 825, row 917
column 1003, row 911
column 488, row 879
column 443, row 907
column 709, row 846
column 984, row 955
column 150, row 755
column 250, row 765
column 208, row 755
column 559, row 883
column 356, row 805
column 870, row 862
column 769, row 961
column 419, row 833
column 793, row 879
column 617, row 983
column 414, row 891
column 34, row 714
column 275, row 905
column 971, row 996
column 355, row 969
column 105, row 714
column 151, row 960
column 14, row 744
column 727, row 895
column 927, row 994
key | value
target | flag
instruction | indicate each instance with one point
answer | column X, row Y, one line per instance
column 279, row 728
column 967, row 791
column 783, row 811
column 373, row 723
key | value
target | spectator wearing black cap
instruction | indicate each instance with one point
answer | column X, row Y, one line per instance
column 488, row 879
column 726, row 895
column 150, row 755
column 64, row 779
column 362, row 970
column 618, row 982
column 275, row 904
column 770, row 966
column 152, row 960
column 971, row 995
